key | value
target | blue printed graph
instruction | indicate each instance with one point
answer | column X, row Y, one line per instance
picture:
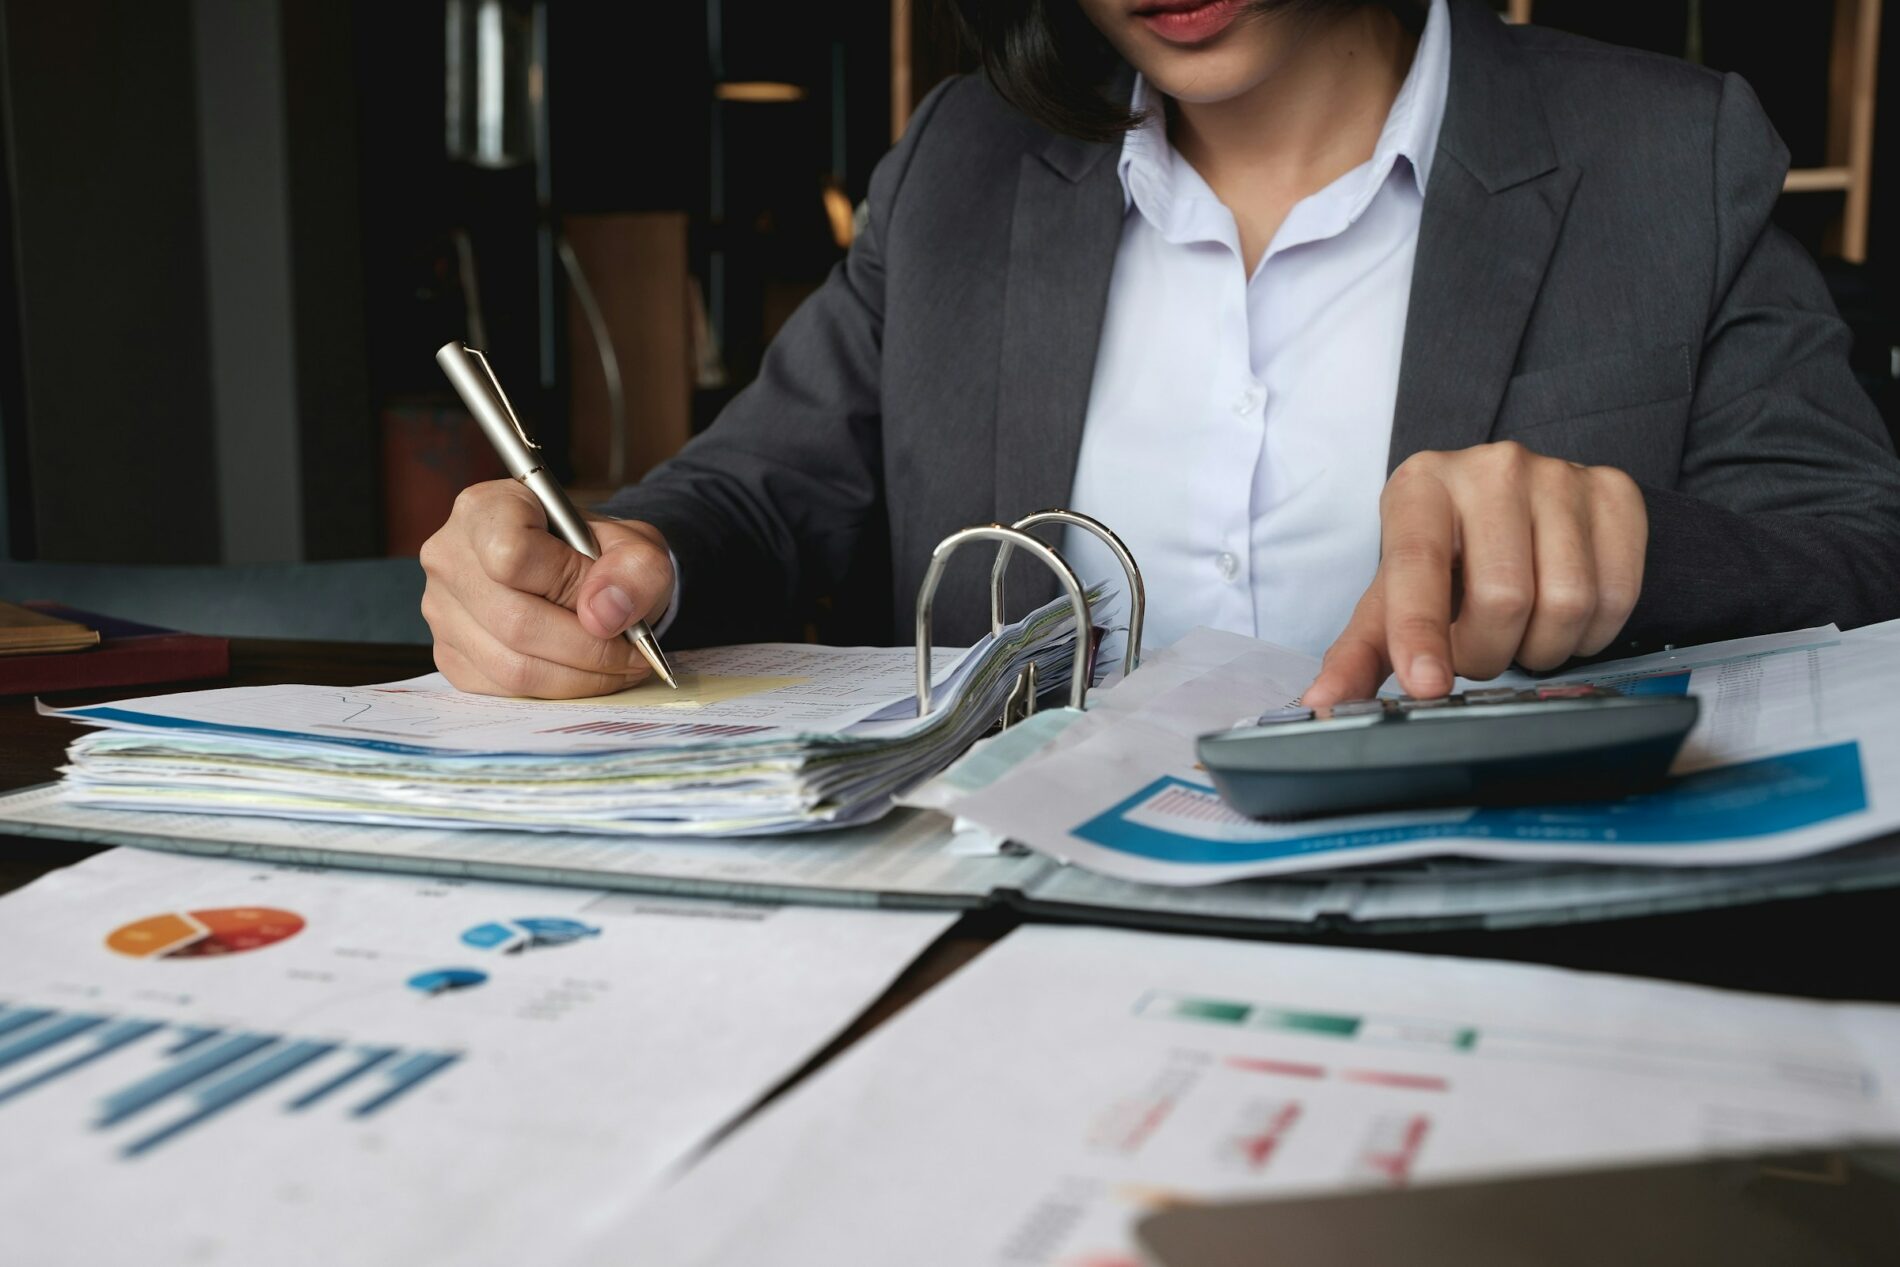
column 205, row 1071
column 446, row 980
column 1652, row 684
column 513, row 936
column 1177, row 821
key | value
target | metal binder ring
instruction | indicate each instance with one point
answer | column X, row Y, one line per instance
column 1009, row 538
column 1137, row 594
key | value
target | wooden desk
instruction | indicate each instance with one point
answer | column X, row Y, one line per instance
column 1833, row 947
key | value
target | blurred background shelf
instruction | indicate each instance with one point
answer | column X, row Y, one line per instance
column 1851, row 85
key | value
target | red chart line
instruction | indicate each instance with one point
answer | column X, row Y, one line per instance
column 1198, row 807
column 1387, row 1078
column 1284, row 1068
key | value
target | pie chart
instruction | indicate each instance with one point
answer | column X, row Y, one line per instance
column 512, row 936
column 445, row 980
column 223, row 930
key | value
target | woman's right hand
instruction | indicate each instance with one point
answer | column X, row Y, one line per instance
column 517, row 611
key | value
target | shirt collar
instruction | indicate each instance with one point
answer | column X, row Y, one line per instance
column 1148, row 164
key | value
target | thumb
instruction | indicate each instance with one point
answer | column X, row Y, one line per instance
column 631, row 580
column 1357, row 662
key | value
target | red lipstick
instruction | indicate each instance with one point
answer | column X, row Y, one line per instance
column 1189, row 21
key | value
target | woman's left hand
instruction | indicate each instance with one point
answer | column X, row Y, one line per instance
column 1490, row 555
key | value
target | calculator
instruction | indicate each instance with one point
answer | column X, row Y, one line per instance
column 1494, row 746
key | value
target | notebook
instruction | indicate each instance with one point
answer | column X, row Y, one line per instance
column 24, row 631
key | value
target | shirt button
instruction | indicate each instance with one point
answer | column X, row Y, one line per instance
column 1227, row 565
column 1250, row 400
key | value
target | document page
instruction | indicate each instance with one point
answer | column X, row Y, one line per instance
column 726, row 692
column 1797, row 752
column 217, row 1062
column 1030, row 1109
column 1488, row 895
column 908, row 853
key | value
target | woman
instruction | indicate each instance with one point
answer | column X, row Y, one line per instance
column 1378, row 329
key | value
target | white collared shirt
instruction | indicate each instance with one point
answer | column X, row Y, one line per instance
column 1238, row 427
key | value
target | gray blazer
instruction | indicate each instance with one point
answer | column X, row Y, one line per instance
column 1597, row 278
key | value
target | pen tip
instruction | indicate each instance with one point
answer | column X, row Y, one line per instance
column 649, row 647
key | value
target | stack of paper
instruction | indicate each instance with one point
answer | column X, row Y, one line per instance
column 762, row 738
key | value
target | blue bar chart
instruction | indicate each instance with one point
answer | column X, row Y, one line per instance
column 205, row 1071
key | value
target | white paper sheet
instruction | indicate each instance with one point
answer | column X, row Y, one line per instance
column 781, row 686
column 546, row 1055
column 909, row 853
column 1491, row 895
column 1032, row 1107
column 1798, row 751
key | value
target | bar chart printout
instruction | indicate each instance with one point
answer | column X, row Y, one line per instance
column 201, row 1072
column 1071, row 1081
column 353, row 1080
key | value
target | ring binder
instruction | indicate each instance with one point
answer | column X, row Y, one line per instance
column 927, row 596
column 1022, row 696
column 1137, row 594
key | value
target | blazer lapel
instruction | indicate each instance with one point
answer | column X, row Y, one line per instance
column 1063, row 237
column 1493, row 208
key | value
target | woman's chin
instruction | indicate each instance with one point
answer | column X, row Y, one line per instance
column 1202, row 77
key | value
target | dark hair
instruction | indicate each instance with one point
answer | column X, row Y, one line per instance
column 1047, row 59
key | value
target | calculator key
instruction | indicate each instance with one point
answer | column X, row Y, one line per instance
column 1409, row 705
column 1292, row 712
column 1358, row 708
column 1492, row 695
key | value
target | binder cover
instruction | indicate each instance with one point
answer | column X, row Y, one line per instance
column 128, row 654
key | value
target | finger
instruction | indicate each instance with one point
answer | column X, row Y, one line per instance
column 536, row 627
column 1566, row 594
column 1499, row 578
column 632, row 580
column 438, row 608
column 452, row 556
column 511, row 672
column 510, row 540
column 1356, row 663
column 1415, row 562
column 1619, row 523
column 463, row 675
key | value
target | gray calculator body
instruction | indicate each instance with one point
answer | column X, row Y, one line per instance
column 1485, row 747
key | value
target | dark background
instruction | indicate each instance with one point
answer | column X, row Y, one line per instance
column 230, row 230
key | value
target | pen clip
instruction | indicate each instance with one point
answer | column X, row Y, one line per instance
column 501, row 397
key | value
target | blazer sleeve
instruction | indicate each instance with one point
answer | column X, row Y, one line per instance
column 764, row 509
column 1786, row 512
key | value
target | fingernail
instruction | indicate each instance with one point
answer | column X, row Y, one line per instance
column 1428, row 674
column 612, row 608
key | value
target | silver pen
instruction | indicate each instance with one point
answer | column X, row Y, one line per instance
column 475, row 383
